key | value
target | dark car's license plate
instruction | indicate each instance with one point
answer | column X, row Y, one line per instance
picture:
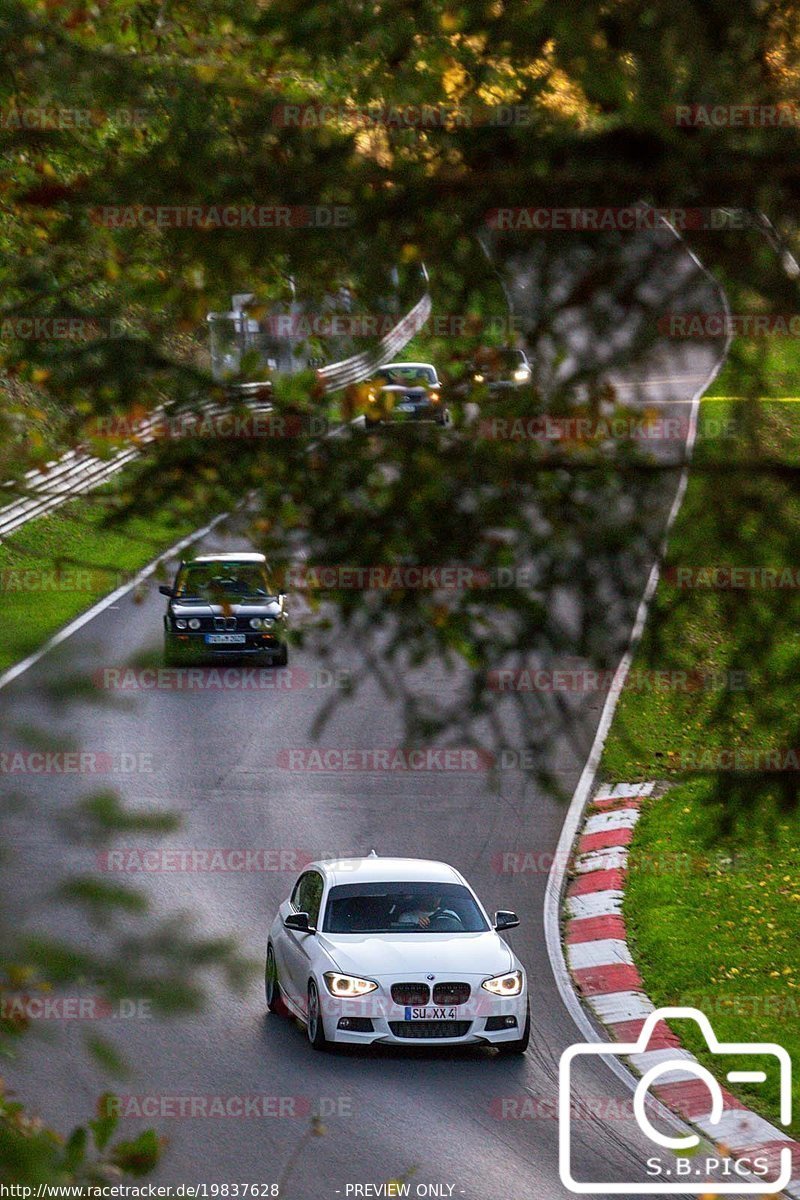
column 225, row 639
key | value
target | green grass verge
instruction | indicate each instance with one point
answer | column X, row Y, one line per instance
column 713, row 900
column 57, row 566
column 713, row 681
column 718, row 928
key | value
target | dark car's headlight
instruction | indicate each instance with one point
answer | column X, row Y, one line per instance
column 179, row 622
column 194, row 623
column 261, row 622
column 345, row 986
column 505, row 985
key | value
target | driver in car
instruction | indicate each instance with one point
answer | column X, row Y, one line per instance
column 424, row 910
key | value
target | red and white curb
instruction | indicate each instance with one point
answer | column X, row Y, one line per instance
column 605, row 976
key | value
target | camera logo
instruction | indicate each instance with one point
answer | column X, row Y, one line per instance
column 682, row 1175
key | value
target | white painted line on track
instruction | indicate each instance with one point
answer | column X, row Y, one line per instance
column 582, row 793
column 106, row 602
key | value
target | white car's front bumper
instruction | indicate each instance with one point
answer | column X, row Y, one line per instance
column 483, row 1018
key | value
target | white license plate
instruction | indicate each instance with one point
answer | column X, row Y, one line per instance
column 406, row 408
column 225, row 639
column 431, row 1013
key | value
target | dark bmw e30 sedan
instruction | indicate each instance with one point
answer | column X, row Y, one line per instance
column 224, row 606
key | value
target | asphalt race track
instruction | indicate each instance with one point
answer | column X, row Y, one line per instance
column 472, row 1123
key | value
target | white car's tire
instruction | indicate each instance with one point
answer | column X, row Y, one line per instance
column 275, row 1001
column 314, row 1022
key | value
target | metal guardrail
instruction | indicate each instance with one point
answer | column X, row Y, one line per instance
column 76, row 472
column 361, row 366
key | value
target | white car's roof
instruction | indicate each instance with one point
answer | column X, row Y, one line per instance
column 415, row 365
column 244, row 556
column 387, row 870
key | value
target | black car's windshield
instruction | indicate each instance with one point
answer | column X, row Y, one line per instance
column 499, row 362
column 402, row 908
column 218, row 581
column 408, row 376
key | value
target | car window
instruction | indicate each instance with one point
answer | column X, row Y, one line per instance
column 405, row 908
column 307, row 895
column 217, row 581
column 408, row 375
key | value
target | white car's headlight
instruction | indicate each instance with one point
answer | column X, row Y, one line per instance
column 505, row 985
column 346, row 986
column 522, row 374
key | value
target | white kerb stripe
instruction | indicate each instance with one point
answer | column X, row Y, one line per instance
column 595, row 904
column 623, row 818
column 602, row 953
column 651, row 1058
column 740, row 1129
column 614, row 1007
column 625, row 791
column 614, row 858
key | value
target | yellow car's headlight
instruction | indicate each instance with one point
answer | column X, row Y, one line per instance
column 505, row 985
column 347, row 986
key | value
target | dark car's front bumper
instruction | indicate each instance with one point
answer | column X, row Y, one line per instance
column 192, row 645
column 424, row 411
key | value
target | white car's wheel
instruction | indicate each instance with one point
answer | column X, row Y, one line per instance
column 314, row 1025
column 275, row 1002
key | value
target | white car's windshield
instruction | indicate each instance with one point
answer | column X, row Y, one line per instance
column 402, row 908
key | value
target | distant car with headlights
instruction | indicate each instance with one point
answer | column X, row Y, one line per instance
column 224, row 606
column 499, row 369
column 398, row 951
column 405, row 391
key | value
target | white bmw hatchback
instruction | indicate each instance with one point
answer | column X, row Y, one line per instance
column 395, row 950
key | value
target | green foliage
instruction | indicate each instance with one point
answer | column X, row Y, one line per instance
column 205, row 81
column 714, row 923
